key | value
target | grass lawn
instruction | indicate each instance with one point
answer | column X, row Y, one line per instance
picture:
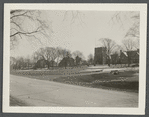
column 43, row 74
column 125, row 81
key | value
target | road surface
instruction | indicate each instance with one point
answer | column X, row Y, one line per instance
column 33, row 92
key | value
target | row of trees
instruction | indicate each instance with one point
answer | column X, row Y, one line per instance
column 52, row 56
column 21, row 63
column 56, row 55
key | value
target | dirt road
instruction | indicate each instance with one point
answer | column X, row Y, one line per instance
column 33, row 92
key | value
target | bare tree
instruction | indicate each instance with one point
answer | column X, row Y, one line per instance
column 26, row 23
column 39, row 54
column 66, row 53
column 77, row 53
column 134, row 29
column 137, row 44
column 27, row 62
column 49, row 54
column 74, row 17
column 59, row 54
column 66, row 56
column 110, row 46
column 52, row 52
column 120, row 17
column 12, row 60
column 130, row 45
column 35, row 56
column 90, row 58
column 78, row 56
column 20, row 63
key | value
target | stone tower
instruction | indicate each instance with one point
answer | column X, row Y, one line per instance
column 100, row 55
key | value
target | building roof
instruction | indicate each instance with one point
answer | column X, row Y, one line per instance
column 114, row 55
column 125, row 53
column 130, row 53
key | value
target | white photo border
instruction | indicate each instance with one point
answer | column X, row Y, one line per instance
column 140, row 110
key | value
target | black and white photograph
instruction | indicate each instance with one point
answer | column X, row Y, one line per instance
column 75, row 58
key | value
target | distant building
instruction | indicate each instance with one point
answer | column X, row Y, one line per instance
column 124, row 57
column 100, row 55
column 114, row 58
column 52, row 63
column 78, row 60
column 66, row 61
column 129, row 57
column 42, row 63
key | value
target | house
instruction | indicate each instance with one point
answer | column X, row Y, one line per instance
column 114, row 58
column 78, row 60
column 66, row 61
column 129, row 57
column 52, row 63
column 123, row 59
column 42, row 63
column 100, row 56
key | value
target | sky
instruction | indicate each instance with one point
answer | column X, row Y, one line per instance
column 80, row 32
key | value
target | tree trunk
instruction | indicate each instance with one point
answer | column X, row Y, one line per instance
column 28, row 66
column 48, row 65
column 109, row 62
column 65, row 64
column 52, row 64
column 129, row 61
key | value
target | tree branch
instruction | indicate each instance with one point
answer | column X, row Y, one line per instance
column 16, row 24
column 25, row 33
column 23, row 14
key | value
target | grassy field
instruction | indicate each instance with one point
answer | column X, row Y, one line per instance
column 44, row 74
column 126, row 80
column 122, row 65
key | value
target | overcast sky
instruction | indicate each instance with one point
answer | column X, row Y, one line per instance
column 79, row 33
